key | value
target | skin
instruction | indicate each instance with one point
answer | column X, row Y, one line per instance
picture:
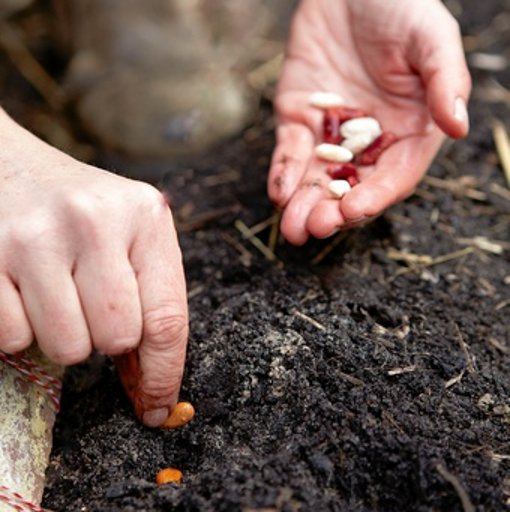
column 401, row 61
column 90, row 260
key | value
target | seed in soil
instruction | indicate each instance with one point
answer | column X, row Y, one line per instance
column 374, row 151
column 169, row 476
column 339, row 188
column 333, row 153
column 360, row 126
column 183, row 413
column 348, row 172
column 326, row 100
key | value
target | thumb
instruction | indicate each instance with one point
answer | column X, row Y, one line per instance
column 436, row 53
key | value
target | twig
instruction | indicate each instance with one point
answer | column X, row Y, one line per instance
column 205, row 218
column 400, row 371
column 483, row 243
column 454, row 380
column 325, row 252
column 245, row 253
column 308, row 319
column 349, row 378
column 196, row 291
column 257, row 228
column 458, row 186
column 11, row 41
column 502, row 143
column 459, row 489
column 465, row 350
column 275, row 232
column 256, row 242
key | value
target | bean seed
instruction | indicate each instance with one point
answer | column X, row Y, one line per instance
column 374, row 151
column 348, row 172
column 326, row 100
column 333, row 153
column 169, row 476
column 358, row 143
column 183, row 413
column 360, row 125
column 339, row 188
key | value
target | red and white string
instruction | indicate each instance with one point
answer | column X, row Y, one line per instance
column 16, row 501
column 34, row 373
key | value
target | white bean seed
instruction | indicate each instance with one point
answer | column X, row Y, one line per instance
column 359, row 125
column 339, row 188
column 358, row 143
column 326, row 100
column 333, row 153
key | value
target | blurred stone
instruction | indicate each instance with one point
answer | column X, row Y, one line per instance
column 8, row 7
column 156, row 78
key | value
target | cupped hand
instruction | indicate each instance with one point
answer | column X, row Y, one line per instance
column 90, row 260
column 400, row 61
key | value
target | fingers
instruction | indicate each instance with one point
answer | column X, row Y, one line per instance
column 438, row 56
column 15, row 331
column 395, row 177
column 294, row 148
column 108, row 291
column 159, row 364
column 313, row 211
column 57, row 321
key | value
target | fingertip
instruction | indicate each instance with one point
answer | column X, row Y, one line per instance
column 155, row 417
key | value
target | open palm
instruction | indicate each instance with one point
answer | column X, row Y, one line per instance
column 401, row 62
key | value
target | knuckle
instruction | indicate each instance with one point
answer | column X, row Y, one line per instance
column 166, row 327
column 31, row 232
column 150, row 197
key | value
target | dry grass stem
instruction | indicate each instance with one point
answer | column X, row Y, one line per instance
column 502, row 144
column 196, row 291
column 245, row 254
column 270, row 221
column 499, row 346
column 459, row 489
column 454, row 380
column 256, row 242
column 202, row 219
column 483, row 243
column 309, row 319
column 465, row 350
column 274, row 234
column 400, row 371
column 11, row 41
column 462, row 187
column 325, row 252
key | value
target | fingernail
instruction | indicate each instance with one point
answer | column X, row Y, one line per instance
column 156, row 417
column 334, row 232
column 460, row 111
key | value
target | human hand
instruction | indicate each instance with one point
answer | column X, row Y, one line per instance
column 90, row 260
column 400, row 61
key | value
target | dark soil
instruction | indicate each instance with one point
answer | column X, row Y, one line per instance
column 363, row 382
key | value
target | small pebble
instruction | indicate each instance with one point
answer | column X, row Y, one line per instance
column 326, row 100
column 339, row 188
column 358, row 143
column 169, row 476
column 361, row 125
column 183, row 413
column 333, row 153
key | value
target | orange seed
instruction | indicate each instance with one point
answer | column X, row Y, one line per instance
column 169, row 476
column 183, row 413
